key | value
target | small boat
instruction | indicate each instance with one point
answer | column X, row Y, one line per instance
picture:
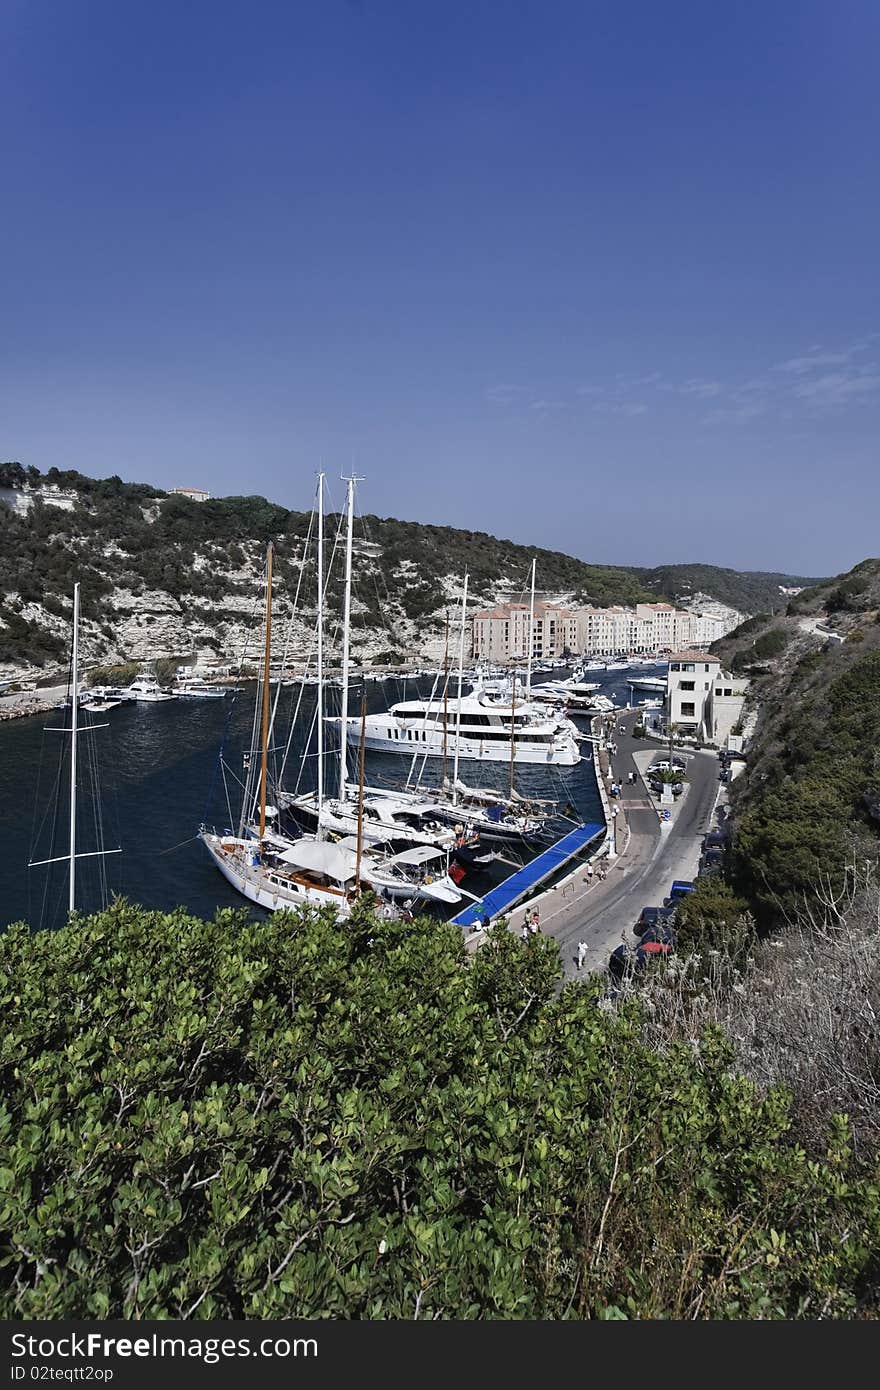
column 99, row 706
column 654, row 684
column 195, row 689
column 147, row 690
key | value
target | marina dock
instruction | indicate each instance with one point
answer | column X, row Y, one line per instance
column 507, row 894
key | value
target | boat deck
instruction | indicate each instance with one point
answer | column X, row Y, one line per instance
column 507, row 894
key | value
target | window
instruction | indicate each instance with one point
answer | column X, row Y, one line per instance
column 675, row 665
column 686, row 685
column 728, row 692
column 688, row 710
column 688, row 666
column 721, row 692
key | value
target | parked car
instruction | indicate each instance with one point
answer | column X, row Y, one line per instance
column 621, row 962
column 651, row 916
column 681, row 887
column 624, row 962
column 713, row 855
column 660, row 935
column 715, row 839
column 664, row 765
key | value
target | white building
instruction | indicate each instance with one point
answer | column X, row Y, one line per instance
column 701, row 699
column 195, row 494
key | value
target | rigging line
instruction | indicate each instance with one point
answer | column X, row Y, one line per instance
column 289, row 632
column 55, row 803
column 172, row 848
column 252, row 782
column 219, row 760
column 425, row 717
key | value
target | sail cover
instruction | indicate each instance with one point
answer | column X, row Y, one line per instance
column 322, row 857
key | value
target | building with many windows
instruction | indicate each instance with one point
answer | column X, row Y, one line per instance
column 701, row 699
column 502, row 633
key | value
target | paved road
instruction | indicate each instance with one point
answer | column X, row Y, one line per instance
column 603, row 914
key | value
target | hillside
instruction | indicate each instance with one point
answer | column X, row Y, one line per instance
column 749, row 591
column 809, row 802
column 164, row 575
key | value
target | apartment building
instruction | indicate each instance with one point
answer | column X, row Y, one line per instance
column 502, row 633
column 702, row 699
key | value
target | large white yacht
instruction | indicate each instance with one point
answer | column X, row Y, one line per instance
column 482, row 729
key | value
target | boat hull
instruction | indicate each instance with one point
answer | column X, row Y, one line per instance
column 274, row 899
column 477, row 749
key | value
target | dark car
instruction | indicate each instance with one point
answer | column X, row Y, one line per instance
column 713, row 855
column 651, row 916
column 661, row 934
column 622, row 962
column 680, row 887
column 716, row 839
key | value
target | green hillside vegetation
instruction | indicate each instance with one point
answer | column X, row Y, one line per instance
column 807, row 809
column 750, row 591
column 291, row 1118
column 130, row 536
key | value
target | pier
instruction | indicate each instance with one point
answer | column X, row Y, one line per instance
column 507, row 894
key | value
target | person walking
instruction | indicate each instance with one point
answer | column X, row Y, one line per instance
column 536, row 922
column 589, row 873
column 581, row 954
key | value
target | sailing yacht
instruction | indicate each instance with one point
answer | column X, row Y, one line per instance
column 269, row 869
column 72, row 707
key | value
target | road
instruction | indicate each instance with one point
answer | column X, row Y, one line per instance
column 602, row 912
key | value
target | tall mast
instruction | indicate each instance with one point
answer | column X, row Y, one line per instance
column 320, row 708
column 512, row 727
column 346, row 644
column 445, row 694
column 458, row 707
column 531, row 638
column 360, row 829
column 71, row 902
column 264, row 764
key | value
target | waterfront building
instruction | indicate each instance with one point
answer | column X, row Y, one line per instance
column 701, row 698
column 502, row 633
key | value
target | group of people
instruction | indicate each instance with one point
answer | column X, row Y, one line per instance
column 531, row 924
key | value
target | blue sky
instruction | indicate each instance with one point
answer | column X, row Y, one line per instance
column 595, row 276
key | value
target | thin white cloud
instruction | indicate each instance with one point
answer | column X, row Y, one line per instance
column 813, row 362
column 839, row 388
column 546, row 405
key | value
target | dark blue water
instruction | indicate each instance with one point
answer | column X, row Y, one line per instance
column 159, row 778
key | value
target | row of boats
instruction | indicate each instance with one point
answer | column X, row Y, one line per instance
column 294, row 848
column 146, row 689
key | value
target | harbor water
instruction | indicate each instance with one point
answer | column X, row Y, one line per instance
column 158, row 776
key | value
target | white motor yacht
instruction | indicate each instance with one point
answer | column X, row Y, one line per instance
column 483, row 731
column 146, row 689
column 194, row 689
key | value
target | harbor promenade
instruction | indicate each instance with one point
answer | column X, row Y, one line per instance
column 601, row 910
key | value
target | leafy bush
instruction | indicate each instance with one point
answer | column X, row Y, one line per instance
column 291, row 1118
